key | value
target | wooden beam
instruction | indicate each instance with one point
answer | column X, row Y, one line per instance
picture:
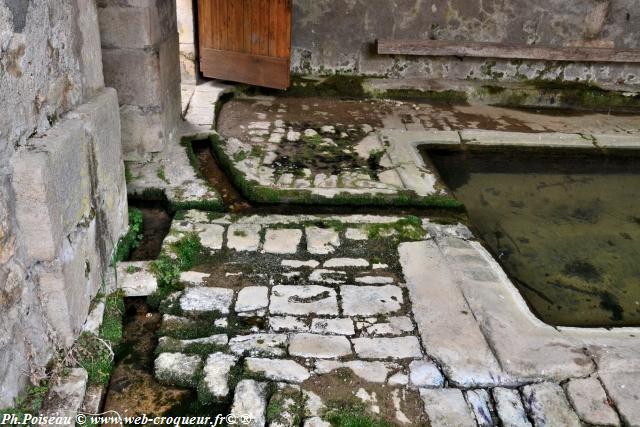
column 506, row 51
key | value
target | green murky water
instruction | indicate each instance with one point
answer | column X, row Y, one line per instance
column 565, row 226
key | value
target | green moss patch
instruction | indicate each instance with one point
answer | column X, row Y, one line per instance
column 132, row 239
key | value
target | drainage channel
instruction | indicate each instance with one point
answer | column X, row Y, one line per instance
column 133, row 388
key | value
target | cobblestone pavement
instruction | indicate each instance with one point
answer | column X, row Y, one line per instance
column 305, row 320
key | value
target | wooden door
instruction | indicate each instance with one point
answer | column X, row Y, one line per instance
column 247, row 41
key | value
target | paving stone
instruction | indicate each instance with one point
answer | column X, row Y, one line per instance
column 393, row 326
column 65, row 397
column 292, row 263
column 168, row 344
column 398, row 379
column 319, row 346
column 370, row 300
column 313, row 407
column 509, row 407
column 250, row 399
column 94, row 319
column 135, row 279
column 374, row 280
column 283, row 241
column 278, row 369
column 380, row 266
column 375, row 372
column 547, row 405
column 322, row 241
column 590, row 402
column 333, row 326
column 303, row 300
column 287, row 324
column 346, row 262
column 177, row 369
column 331, row 277
column 425, row 373
column 259, row 345
column 455, row 341
column 382, row 348
column 624, row 389
column 193, row 278
column 447, row 408
column 244, row 237
column 252, row 298
column 480, row 403
column 357, row 234
column 216, row 375
column 211, row 236
column 287, row 398
column 316, row 422
column 200, row 300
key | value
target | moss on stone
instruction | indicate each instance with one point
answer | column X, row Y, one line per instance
column 437, row 96
column 266, row 195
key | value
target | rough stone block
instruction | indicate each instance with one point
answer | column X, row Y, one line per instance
column 282, row 241
column 590, row 401
column 216, row 375
column 278, row 370
column 200, row 300
column 547, row 405
column 136, row 27
column 90, row 52
column 509, row 407
column 252, row 298
column 66, row 396
column 370, row 300
column 135, row 74
column 67, row 287
column 624, row 390
column 383, row 348
column 101, row 118
column 259, row 345
column 447, row 407
column 250, row 399
column 177, row 369
column 52, row 186
column 143, row 131
column 319, row 346
column 303, row 300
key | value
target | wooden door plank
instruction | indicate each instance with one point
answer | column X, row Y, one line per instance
column 246, row 68
column 274, row 29
column 246, row 40
column 506, row 51
column 248, row 13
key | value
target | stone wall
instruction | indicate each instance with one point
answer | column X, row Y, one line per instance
column 187, row 28
column 340, row 35
column 62, row 190
column 141, row 61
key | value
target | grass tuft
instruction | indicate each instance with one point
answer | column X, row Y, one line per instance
column 132, row 239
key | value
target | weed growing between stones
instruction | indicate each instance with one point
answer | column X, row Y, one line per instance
column 96, row 353
column 351, row 414
column 111, row 328
column 406, row 229
column 132, row 239
column 30, row 402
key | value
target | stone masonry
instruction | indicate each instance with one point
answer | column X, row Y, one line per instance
column 62, row 190
column 140, row 56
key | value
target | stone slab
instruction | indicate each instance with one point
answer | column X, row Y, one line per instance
column 509, row 407
column 447, row 408
column 455, row 341
column 243, row 237
column 282, row 241
column 385, row 348
column 321, row 241
column 624, row 390
column 259, row 345
column 547, row 405
column 216, row 374
column 200, row 300
column 250, row 400
column 319, row 346
column 370, row 300
column 252, row 298
column 65, row 396
column 278, row 369
column 303, row 300
column 177, row 369
column 590, row 402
